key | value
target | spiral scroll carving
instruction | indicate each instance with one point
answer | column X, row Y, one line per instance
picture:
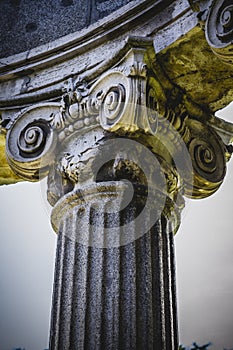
column 31, row 141
column 205, row 158
column 112, row 106
column 208, row 160
column 219, row 29
column 225, row 24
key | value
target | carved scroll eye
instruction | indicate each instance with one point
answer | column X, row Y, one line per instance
column 31, row 141
column 204, row 157
column 225, row 24
column 208, row 160
column 112, row 105
column 219, row 29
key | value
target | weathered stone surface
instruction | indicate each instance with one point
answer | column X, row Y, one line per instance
column 72, row 108
column 115, row 298
column 7, row 176
column 26, row 24
column 190, row 64
column 42, row 73
column 115, row 277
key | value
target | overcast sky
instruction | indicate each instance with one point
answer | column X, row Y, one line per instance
column 204, row 252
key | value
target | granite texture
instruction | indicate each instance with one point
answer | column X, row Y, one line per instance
column 26, row 24
column 119, row 298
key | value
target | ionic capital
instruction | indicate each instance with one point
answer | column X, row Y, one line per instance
column 134, row 100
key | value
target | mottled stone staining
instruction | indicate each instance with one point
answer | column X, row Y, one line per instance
column 49, row 20
column 7, row 176
column 66, row 3
column 31, row 27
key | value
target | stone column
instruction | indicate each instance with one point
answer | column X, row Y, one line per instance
column 115, row 276
column 120, row 152
column 115, row 211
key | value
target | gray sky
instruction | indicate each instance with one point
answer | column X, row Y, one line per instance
column 204, row 252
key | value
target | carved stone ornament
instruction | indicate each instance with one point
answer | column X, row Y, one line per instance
column 120, row 100
column 119, row 117
column 132, row 99
column 31, row 141
column 219, row 29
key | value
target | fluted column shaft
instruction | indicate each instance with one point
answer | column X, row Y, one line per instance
column 114, row 283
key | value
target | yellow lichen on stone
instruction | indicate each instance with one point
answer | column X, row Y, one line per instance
column 190, row 64
column 6, row 174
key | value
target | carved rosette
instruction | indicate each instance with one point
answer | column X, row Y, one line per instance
column 219, row 29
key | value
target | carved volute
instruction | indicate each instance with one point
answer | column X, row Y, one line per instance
column 219, row 29
column 134, row 100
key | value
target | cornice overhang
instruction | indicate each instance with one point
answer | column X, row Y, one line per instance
column 41, row 73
